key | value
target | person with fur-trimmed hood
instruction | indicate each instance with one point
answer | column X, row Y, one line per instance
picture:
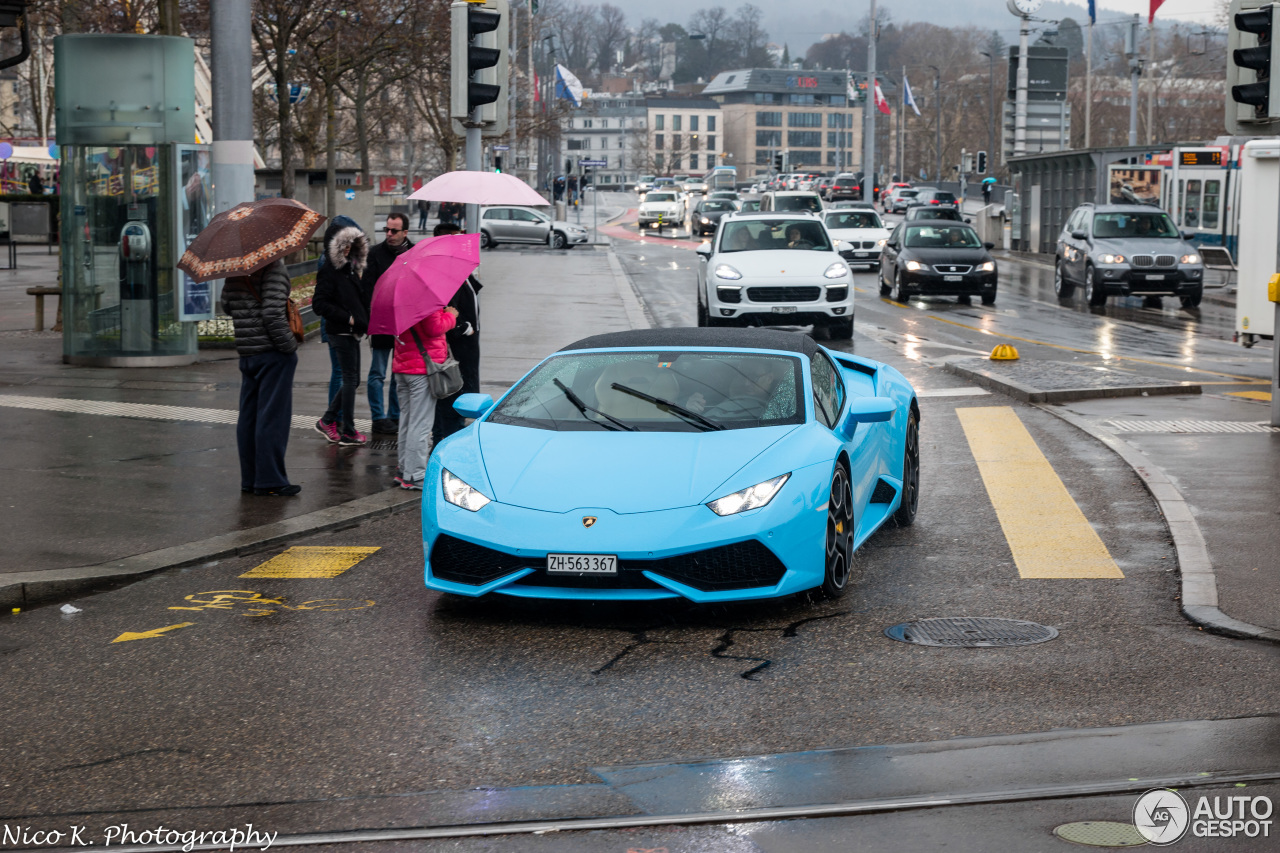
column 342, row 302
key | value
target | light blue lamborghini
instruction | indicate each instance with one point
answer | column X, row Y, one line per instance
column 704, row 464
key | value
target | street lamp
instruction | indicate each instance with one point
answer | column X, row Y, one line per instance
column 991, row 108
column 937, row 100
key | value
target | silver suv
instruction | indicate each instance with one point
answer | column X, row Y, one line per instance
column 1126, row 250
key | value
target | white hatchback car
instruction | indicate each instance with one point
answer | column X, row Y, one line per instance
column 774, row 269
column 862, row 229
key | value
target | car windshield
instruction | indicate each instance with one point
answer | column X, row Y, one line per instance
column 797, row 202
column 660, row 197
column 752, row 204
column 1155, row 224
column 718, row 205
column 729, row 389
column 908, row 193
column 853, row 219
column 644, row 179
column 944, row 197
column 936, row 213
column 754, row 235
column 941, row 237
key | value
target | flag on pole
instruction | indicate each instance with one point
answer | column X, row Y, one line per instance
column 1155, row 4
column 568, row 86
column 1093, row 11
column 908, row 100
column 881, row 103
column 851, row 91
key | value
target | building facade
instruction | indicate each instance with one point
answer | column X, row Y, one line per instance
column 609, row 128
column 685, row 136
column 805, row 116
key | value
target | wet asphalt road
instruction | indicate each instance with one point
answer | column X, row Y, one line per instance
column 327, row 704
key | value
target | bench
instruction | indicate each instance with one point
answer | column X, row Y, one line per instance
column 1218, row 258
column 40, row 293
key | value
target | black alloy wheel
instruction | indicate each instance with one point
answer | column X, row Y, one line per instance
column 839, row 553
column 900, row 292
column 1193, row 301
column 485, row 240
column 558, row 240
column 1062, row 288
column 1093, row 292
column 906, row 514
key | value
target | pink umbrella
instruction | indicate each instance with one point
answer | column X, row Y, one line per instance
column 422, row 281
column 479, row 188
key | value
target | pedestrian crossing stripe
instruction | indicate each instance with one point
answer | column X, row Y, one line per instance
column 148, row 411
column 1046, row 531
column 306, row 561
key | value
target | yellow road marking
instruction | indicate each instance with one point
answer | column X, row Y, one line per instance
column 303, row 561
column 147, row 635
column 1264, row 396
column 1047, row 533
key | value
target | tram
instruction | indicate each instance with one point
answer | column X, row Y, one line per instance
column 721, row 178
column 1200, row 189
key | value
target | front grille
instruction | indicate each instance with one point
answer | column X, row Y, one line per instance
column 1166, row 261
column 465, row 562
column 729, row 294
column 1142, row 260
column 837, row 294
column 784, row 294
column 741, row 565
column 952, row 269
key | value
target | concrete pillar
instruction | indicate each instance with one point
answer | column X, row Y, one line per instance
column 232, row 84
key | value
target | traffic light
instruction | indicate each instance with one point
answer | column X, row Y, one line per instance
column 1253, row 69
column 479, row 40
column 777, row 162
column 982, row 162
column 497, row 162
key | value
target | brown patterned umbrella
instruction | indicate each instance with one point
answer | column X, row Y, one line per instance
column 248, row 237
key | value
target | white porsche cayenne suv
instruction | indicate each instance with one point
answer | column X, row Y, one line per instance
column 774, row 269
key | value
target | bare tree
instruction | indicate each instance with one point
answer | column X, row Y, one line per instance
column 610, row 36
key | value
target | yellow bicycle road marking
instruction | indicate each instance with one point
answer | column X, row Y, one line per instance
column 1046, row 531
column 149, row 635
column 304, row 561
column 1264, row 396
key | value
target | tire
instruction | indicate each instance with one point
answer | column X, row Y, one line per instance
column 1193, row 301
column 900, row 293
column 1094, row 294
column 838, row 555
column 557, row 240
column 885, row 290
column 1062, row 288
column 840, row 330
column 702, row 312
column 906, row 514
column 486, row 242
column 989, row 298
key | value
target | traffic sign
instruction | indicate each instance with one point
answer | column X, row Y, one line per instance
column 502, row 148
column 589, row 163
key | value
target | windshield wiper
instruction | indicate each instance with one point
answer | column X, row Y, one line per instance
column 666, row 405
column 583, row 408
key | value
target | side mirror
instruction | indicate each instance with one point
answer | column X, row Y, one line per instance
column 1078, row 235
column 867, row 410
column 969, row 221
column 1188, row 235
column 472, row 405
column 704, row 249
column 988, row 246
column 844, row 246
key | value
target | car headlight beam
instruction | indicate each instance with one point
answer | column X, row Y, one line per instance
column 914, row 266
column 459, row 493
column 1111, row 259
column 989, row 266
column 752, row 497
column 727, row 272
column 1189, row 259
column 836, row 270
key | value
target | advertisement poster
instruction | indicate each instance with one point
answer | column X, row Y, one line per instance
column 195, row 211
column 1135, row 185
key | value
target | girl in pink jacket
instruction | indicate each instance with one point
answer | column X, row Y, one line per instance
column 417, row 406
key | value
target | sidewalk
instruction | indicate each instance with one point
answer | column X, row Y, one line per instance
column 112, row 472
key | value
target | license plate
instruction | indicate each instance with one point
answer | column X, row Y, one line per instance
column 953, row 278
column 861, row 254
column 784, row 309
column 582, row 564
column 1154, row 277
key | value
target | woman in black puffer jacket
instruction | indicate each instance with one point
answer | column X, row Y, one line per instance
column 341, row 301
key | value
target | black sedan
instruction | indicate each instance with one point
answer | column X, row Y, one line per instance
column 707, row 213
column 937, row 258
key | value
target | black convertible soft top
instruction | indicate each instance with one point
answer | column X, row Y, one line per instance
column 727, row 338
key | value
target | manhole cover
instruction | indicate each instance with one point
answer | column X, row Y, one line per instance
column 1100, row 833
column 971, row 632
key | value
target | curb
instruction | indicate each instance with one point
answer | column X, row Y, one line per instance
column 636, row 315
column 25, row 589
column 1028, row 394
column 1199, row 601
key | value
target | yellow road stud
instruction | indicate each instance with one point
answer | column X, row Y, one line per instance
column 1004, row 352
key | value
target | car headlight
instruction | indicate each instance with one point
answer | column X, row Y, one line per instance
column 459, row 493
column 836, row 270
column 753, row 497
column 727, row 272
column 989, row 266
column 914, row 265
column 1111, row 259
column 706, row 221
column 1190, row 259
column 880, row 243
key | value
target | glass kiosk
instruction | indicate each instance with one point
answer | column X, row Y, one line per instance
column 135, row 192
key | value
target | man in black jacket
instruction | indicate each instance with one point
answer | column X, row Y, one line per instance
column 268, row 358
column 385, row 420
column 464, row 343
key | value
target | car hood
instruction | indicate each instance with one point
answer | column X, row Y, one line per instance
column 627, row 472
column 859, row 234
column 714, row 214
column 656, row 205
column 1140, row 246
column 948, row 256
column 560, row 223
column 776, row 264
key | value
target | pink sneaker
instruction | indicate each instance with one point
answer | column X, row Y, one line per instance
column 355, row 439
column 329, row 431
column 411, row 485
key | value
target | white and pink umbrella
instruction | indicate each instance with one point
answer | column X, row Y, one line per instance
column 479, row 188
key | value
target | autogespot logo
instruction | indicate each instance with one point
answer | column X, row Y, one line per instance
column 1161, row 816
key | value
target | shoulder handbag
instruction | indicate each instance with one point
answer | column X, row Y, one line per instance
column 443, row 380
column 291, row 313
